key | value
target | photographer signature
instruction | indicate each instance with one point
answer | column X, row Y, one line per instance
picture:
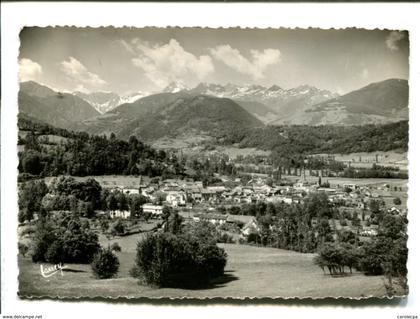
column 49, row 271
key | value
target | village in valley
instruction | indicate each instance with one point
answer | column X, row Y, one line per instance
column 216, row 204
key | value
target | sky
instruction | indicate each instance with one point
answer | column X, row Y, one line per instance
column 128, row 60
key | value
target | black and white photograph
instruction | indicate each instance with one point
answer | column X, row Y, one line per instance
column 201, row 162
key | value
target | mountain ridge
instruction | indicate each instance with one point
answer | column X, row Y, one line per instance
column 172, row 114
column 56, row 108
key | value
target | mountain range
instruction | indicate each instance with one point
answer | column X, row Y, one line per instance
column 268, row 104
column 212, row 109
column 171, row 115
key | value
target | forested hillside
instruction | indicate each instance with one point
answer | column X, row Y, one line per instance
column 49, row 151
column 172, row 115
column 305, row 139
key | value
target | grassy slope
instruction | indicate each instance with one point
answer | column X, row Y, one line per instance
column 251, row 271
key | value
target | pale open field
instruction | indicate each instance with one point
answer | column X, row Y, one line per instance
column 251, row 271
column 366, row 160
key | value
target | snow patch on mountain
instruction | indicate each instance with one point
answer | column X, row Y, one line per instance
column 106, row 101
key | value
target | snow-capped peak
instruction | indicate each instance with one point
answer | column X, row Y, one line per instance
column 175, row 87
column 107, row 101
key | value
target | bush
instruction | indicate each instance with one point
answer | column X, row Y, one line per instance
column 168, row 260
column 55, row 253
column 225, row 238
column 118, row 228
column 23, row 249
column 116, row 247
column 397, row 201
column 105, row 264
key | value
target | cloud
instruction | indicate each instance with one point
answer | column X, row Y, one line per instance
column 392, row 40
column 255, row 67
column 169, row 62
column 365, row 73
column 29, row 70
column 80, row 75
column 127, row 46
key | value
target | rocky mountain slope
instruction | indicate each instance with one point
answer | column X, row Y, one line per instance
column 376, row 103
column 55, row 108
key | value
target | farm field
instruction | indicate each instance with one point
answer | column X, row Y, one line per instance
column 339, row 181
column 109, row 181
column 366, row 160
column 133, row 181
column 234, row 152
column 273, row 269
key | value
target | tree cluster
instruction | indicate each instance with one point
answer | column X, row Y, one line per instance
column 179, row 257
column 385, row 254
column 64, row 239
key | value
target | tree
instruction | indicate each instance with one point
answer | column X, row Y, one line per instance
column 30, row 199
column 355, row 222
column 66, row 239
column 166, row 212
column 118, row 228
column 347, row 236
column 116, row 247
column 160, row 197
column 85, row 209
column 104, row 224
column 324, row 232
column 136, row 205
column 88, row 191
column 397, row 201
column 393, row 226
column 31, row 162
column 318, row 205
column 375, row 206
column 348, row 190
column 23, row 249
column 105, row 264
column 122, row 202
column 111, row 202
column 336, row 256
column 204, row 231
column 351, row 256
column 44, row 236
column 333, row 257
column 174, row 223
column 374, row 255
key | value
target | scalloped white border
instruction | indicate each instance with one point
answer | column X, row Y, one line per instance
column 302, row 15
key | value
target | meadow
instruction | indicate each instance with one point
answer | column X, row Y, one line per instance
column 250, row 272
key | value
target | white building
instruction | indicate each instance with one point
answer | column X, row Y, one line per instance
column 131, row 191
column 176, row 199
column 119, row 214
column 155, row 210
